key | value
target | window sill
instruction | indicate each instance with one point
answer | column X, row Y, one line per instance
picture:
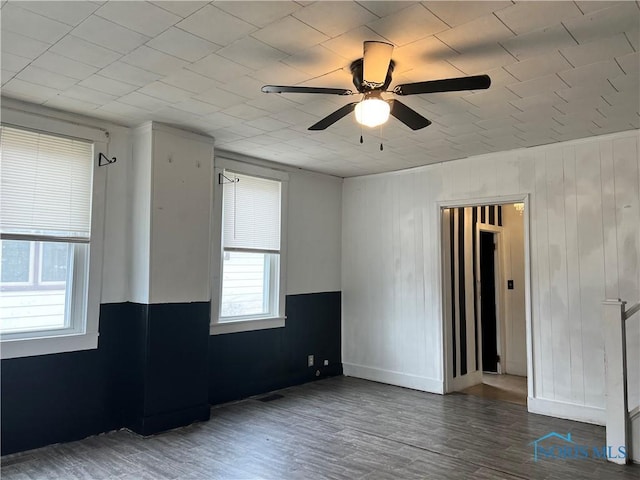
column 237, row 326
column 30, row 347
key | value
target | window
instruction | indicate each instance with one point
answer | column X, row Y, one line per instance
column 46, row 225
column 251, row 265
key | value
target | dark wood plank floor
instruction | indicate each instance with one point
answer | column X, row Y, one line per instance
column 338, row 428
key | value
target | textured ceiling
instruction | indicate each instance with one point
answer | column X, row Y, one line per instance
column 560, row 70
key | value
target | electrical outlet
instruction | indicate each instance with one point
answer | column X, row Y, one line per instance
column 326, row 363
column 310, row 361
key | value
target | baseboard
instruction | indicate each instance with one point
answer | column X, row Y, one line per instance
column 465, row 381
column 415, row 382
column 569, row 411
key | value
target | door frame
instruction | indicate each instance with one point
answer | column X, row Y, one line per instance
column 446, row 334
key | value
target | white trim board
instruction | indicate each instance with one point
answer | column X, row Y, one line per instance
column 569, row 411
column 415, row 382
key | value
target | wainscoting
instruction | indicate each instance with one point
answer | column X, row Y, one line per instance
column 156, row 367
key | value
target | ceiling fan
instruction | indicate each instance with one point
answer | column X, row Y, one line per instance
column 371, row 77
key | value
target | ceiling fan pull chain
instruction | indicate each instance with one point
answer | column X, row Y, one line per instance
column 361, row 131
column 381, row 148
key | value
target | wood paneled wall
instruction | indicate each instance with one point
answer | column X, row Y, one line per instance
column 584, row 247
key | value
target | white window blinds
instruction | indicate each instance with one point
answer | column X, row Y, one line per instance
column 45, row 184
column 251, row 214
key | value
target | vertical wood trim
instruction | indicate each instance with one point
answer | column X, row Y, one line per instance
column 461, row 294
column 453, row 250
column 483, row 214
column 476, row 336
column 492, row 214
column 500, row 215
column 468, row 297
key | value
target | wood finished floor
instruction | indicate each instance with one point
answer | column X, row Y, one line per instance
column 508, row 388
column 337, row 428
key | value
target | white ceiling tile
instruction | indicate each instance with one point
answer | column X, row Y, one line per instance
column 586, row 91
column 480, row 62
column 141, row 17
column 69, row 12
column 491, row 96
column 6, row 76
column 591, row 73
column 316, row 61
column 154, row 61
column 495, row 123
column 21, row 45
column 408, row 25
column 592, row 52
column 351, row 44
column 64, row 66
column 70, row 104
column 190, row 81
column 322, row 17
column 431, row 71
column 581, row 105
column 271, row 103
column 630, row 63
column 13, row 63
column 89, row 95
column 538, row 66
column 542, row 113
column 455, row 13
column 634, row 38
column 140, row 100
column 622, row 98
column 219, row 68
column 220, row 98
column 533, row 101
column 574, row 127
column 605, row 23
column 245, row 112
column 182, row 44
column 453, row 119
column 20, row 89
column 44, row 77
column 525, row 17
column 501, row 131
column 86, row 52
column 129, row 74
column 548, row 83
column 476, row 36
column 227, row 27
column 493, row 111
column 32, row 25
column 222, row 120
column 245, row 86
column 109, row 35
column 589, row 6
column 184, row 8
column 268, row 124
column 539, row 42
column 296, row 117
column 108, row 85
column 252, row 53
column 122, row 113
column 626, row 82
column 196, row 107
column 385, row 8
column 278, row 35
column 280, row 74
column 424, row 52
column 167, row 93
column 258, row 13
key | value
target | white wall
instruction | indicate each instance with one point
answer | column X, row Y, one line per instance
column 314, row 233
column 585, row 246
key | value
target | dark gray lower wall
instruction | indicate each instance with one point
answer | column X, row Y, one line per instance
column 156, row 367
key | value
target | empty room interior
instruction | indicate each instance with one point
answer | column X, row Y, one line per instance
column 331, row 239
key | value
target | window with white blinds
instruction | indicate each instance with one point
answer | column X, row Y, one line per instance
column 45, row 185
column 251, row 214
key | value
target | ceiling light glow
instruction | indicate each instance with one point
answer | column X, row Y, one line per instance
column 372, row 112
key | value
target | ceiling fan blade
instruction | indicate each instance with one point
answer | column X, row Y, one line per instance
column 408, row 116
column 376, row 58
column 288, row 89
column 478, row 82
column 334, row 117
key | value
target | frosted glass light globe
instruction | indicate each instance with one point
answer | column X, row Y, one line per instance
column 372, row 112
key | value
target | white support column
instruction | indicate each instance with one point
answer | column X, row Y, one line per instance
column 616, row 377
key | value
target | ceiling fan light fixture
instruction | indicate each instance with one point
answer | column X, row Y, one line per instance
column 372, row 112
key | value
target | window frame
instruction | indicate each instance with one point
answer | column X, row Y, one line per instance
column 243, row 324
column 84, row 334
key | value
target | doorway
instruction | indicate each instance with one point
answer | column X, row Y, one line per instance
column 485, row 306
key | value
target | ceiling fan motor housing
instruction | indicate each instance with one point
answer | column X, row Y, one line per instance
column 357, row 69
